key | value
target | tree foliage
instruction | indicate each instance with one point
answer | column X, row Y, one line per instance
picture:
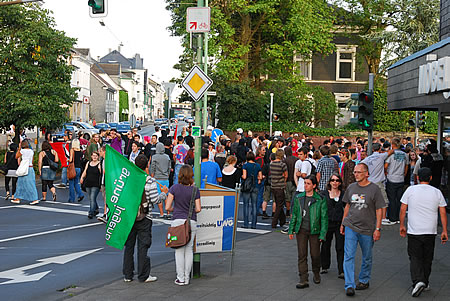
column 34, row 69
column 123, row 105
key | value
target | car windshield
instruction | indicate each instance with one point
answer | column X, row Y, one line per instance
column 86, row 125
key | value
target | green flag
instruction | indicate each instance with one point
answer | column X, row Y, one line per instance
column 124, row 185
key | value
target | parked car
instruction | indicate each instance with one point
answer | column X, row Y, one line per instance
column 158, row 121
column 190, row 120
column 113, row 125
column 123, row 128
column 85, row 128
column 102, row 126
column 58, row 135
column 180, row 117
column 173, row 119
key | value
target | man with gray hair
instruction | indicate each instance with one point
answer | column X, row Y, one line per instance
column 375, row 163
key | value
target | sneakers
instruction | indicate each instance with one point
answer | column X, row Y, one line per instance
column 34, row 202
column 316, row 279
column 103, row 218
column 151, row 278
column 61, row 185
column 80, row 198
column 7, row 197
column 15, row 201
column 285, row 230
column 178, row 282
column 265, row 216
column 418, row 289
column 386, row 222
column 350, row 291
column 341, row 276
column 427, row 288
column 362, row 286
column 302, row 285
column 324, row 271
column 127, row 280
column 54, row 197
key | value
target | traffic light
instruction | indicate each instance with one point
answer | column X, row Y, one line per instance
column 98, row 8
column 421, row 120
column 365, row 112
column 267, row 111
column 355, row 108
column 276, row 117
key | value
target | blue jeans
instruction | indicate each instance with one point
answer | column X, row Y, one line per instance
column 249, row 199
column 352, row 239
column 64, row 176
column 260, row 196
column 176, row 172
column 74, row 185
column 92, row 194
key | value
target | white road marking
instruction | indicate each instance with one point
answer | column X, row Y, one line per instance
column 57, row 210
column 66, row 203
column 50, row 232
column 258, row 223
column 18, row 275
column 254, row 231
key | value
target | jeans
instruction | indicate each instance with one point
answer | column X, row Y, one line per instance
column 184, row 256
column 421, row 252
column 278, row 195
column 64, row 179
column 176, row 172
column 142, row 230
column 352, row 239
column 394, row 193
column 92, row 194
column 250, row 199
column 74, row 186
column 260, row 196
column 303, row 237
column 325, row 251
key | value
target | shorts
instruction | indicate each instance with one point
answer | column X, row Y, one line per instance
column 163, row 183
column 267, row 193
column 383, row 192
column 290, row 190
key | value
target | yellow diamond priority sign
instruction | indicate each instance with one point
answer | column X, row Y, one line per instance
column 196, row 83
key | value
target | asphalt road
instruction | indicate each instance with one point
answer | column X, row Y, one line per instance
column 52, row 246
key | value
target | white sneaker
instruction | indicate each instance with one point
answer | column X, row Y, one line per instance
column 15, row 201
column 127, row 280
column 151, row 278
column 386, row 222
column 418, row 289
column 178, row 282
column 34, row 202
column 427, row 288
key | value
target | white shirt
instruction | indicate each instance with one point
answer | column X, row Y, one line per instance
column 375, row 162
column 255, row 144
column 302, row 167
column 423, row 202
column 27, row 154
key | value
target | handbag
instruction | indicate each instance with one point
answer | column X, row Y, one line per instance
column 180, row 235
column 71, row 172
column 23, row 168
column 53, row 165
column 249, row 182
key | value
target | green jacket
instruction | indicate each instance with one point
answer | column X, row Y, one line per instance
column 318, row 216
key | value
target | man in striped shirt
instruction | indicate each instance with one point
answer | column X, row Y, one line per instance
column 325, row 167
column 278, row 176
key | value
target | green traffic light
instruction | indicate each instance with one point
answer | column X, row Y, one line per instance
column 98, row 6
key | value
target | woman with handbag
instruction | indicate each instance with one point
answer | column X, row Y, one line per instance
column 251, row 178
column 10, row 176
column 26, row 181
column 185, row 197
column 91, row 178
column 75, row 159
column 48, row 164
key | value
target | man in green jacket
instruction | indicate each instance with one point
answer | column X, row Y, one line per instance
column 310, row 222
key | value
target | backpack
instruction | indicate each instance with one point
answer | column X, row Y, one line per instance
column 313, row 168
column 249, row 182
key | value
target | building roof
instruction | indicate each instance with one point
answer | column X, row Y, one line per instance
column 83, row 51
column 110, row 69
column 101, row 80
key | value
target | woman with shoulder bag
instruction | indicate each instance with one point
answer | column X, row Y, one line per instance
column 250, row 197
column 76, row 156
column 46, row 157
column 180, row 196
column 12, row 165
column 333, row 195
column 91, row 178
column 26, row 181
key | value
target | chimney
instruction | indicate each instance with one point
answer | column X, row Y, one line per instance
column 109, row 50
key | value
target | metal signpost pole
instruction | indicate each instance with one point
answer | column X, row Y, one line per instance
column 370, row 132
column 197, row 150
column 271, row 113
column 416, row 132
column 205, row 68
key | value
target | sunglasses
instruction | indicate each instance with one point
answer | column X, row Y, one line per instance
column 335, row 180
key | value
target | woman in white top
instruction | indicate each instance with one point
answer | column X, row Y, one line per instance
column 26, row 185
column 135, row 150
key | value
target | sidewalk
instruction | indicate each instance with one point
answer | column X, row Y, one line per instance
column 266, row 269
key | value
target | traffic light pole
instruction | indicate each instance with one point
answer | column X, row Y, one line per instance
column 205, row 68
column 370, row 132
column 197, row 147
column 416, row 130
column 271, row 113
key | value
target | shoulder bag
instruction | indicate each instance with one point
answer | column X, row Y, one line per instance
column 53, row 165
column 249, row 181
column 71, row 172
column 23, row 168
column 180, row 235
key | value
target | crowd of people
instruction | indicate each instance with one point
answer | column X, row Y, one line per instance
column 318, row 193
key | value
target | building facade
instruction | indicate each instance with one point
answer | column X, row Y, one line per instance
column 81, row 76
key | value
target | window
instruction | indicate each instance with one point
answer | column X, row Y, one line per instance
column 345, row 63
column 303, row 66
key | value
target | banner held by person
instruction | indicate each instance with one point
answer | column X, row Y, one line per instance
column 124, row 185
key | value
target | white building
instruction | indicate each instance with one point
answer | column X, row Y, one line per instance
column 82, row 61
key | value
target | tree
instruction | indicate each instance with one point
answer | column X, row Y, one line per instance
column 35, row 72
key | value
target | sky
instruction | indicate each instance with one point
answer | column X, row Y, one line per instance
column 141, row 25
